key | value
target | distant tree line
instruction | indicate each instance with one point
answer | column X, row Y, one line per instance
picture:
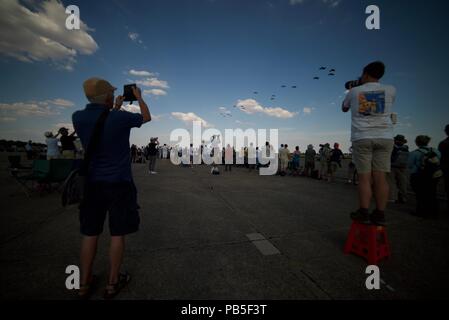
column 14, row 146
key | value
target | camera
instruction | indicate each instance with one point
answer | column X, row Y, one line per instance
column 353, row 83
column 128, row 92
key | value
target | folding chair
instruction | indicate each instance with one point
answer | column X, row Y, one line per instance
column 39, row 174
column 59, row 171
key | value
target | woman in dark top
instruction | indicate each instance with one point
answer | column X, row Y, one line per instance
column 67, row 143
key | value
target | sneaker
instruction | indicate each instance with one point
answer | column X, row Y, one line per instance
column 361, row 216
column 153, row 172
column 377, row 218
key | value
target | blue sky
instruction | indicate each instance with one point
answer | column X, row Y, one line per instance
column 203, row 55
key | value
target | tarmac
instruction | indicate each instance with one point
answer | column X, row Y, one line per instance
column 233, row 236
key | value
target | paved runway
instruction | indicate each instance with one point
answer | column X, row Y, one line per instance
column 233, row 236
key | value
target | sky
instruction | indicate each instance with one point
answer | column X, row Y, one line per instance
column 205, row 59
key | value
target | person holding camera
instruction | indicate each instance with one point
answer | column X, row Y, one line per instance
column 370, row 103
column 110, row 188
column 68, row 149
column 152, row 155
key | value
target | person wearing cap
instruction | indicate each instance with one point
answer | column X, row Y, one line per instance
column 371, row 106
column 110, row 189
column 398, row 177
column 52, row 145
column 443, row 147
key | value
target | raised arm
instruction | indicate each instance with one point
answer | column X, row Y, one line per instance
column 144, row 111
column 346, row 106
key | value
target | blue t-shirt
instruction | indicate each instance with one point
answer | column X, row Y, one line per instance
column 111, row 162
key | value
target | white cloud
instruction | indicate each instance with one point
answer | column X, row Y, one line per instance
column 188, row 118
column 155, row 92
column 134, row 36
column 61, row 102
column 142, row 73
column 136, row 109
column 308, row 110
column 225, row 112
column 131, row 108
column 251, row 106
column 153, row 82
column 37, row 32
column 295, row 2
column 40, row 109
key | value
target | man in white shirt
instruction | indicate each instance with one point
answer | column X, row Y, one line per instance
column 372, row 139
column 52, row 145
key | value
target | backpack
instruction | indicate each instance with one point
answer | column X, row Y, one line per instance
column 74, row 186
column 430, row 167
column 399, row 157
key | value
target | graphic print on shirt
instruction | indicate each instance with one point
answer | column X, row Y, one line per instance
column 371, row 103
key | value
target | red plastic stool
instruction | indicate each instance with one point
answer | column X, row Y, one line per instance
column 368, row 241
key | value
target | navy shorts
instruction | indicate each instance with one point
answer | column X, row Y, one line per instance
column 117, row 200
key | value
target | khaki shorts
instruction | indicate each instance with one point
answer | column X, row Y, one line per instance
column 371, row 155
column 68, row 154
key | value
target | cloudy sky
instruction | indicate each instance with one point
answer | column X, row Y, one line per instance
column 206, row 59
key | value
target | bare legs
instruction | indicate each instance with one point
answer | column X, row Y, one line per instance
column 116, row 257
column 88, row 252
column 377, row 182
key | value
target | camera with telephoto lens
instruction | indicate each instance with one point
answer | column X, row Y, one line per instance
column 353, row 83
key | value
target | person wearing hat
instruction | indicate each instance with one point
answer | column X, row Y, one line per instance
column 110, row 189
column 67, row 143
column 52, row 145
column 398, row 177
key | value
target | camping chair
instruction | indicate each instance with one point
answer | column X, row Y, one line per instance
column 39, row 174
column 59, row 171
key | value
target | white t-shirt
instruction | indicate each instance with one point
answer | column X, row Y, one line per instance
column 371, row 106
column 52, row 147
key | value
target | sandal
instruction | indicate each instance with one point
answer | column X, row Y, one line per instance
column 86, row 290
column 114, row 289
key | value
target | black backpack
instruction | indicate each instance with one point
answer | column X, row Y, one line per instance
column 75, row 185
column 430, row 167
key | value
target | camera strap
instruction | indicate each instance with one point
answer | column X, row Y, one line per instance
column 94, row 141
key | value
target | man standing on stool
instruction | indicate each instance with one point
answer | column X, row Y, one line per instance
column 372, row 138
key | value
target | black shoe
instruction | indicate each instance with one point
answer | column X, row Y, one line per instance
column 377, row 218
column 361, row 216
